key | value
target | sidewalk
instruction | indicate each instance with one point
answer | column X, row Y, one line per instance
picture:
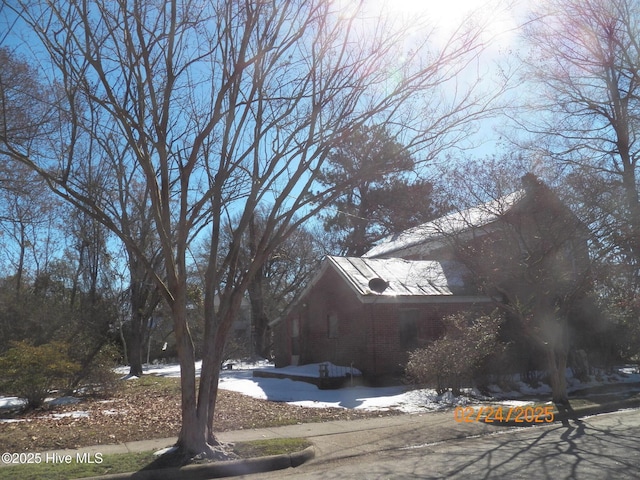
column 331, row 440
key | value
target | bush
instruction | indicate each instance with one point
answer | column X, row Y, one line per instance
column 455, row 357
column 31, row 372
column 98, row 377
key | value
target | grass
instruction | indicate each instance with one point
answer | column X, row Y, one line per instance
column 155, row 385
column 121, row 463
column 132, row 462
column 276, row 446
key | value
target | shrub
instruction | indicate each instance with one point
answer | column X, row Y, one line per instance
column 31, row 372
column 98, row 377
column 455, row 357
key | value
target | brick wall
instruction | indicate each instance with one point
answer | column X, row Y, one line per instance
column 389, row 350
column 348, row 342
column 369, row 335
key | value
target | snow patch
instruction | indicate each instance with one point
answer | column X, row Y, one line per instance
column 12, row 402
column 63, row 401
column 402, row 398
column 165, row 450
column 313, row 370
column 76, row 414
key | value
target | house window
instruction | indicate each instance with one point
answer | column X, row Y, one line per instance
column 332, row 325
column 408, row 333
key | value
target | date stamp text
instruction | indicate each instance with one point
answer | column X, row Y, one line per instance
column 489, row 414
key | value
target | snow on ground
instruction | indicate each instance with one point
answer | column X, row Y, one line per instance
column 313, row 369
column 15, row 403
column 240, row 379
column 11, row 402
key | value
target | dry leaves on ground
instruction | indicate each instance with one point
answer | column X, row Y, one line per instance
column 145, row 409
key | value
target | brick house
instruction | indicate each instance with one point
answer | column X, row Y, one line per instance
column 372, row 310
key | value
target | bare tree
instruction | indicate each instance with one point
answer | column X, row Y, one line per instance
column 28, row 222
column 528, row 251
column 584, row 62
column 144, row 293
column 28, row 211
column 277, row 282
column 221, row 108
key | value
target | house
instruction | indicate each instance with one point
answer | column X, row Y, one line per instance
column 370, row 311
column 528, row 214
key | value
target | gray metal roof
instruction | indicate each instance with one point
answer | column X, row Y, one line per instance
column 403, row 277
column 430, row 233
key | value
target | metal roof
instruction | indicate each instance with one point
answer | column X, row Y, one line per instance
column 411, row 281
column 402, row 277
column 431, row 233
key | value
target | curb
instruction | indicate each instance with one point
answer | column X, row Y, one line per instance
column 580, row 412
column 219, row 469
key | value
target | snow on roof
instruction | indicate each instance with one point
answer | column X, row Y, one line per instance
column 401, row 277
column 454, row 223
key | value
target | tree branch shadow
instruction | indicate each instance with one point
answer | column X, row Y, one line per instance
column 567, row 451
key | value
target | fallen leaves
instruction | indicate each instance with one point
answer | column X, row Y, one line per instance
column 145, row 410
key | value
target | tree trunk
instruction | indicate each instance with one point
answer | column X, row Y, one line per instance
column 192, row 439
column 217, row 326
column 20, row 271
column 557, row 366
column 259, row 320
column 631, row 192
column 143, row 300
column 137, row 323
column 134, row 349
column 136, row 332
column 217, row 354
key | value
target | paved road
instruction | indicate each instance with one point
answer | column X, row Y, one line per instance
column 599, row 447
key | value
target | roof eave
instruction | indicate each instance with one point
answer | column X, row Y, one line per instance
column 373, row 298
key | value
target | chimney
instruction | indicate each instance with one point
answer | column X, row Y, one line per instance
column 531, row 183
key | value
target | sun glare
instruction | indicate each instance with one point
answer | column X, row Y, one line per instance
column 447, row 16
column 438, row 11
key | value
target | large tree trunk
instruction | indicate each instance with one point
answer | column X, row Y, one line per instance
column 192, row 439
column 555, row 341
column 631, row 192
column 557, row 366
column 550, row 324
column 134, row 346
column 217, row 325
column 136, row 332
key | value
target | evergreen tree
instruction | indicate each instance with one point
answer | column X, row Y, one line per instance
column 387, row 197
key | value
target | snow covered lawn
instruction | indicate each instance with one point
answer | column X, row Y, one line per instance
column 401, row 398
column 304, row 394
column 240, row 379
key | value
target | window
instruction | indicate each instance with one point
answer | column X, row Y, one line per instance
column 332, row 325
column 408, row 333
